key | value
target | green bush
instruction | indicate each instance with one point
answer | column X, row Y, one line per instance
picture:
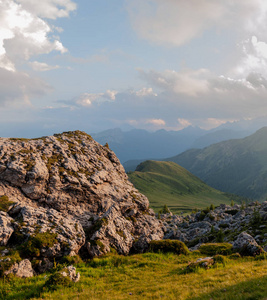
column 201, row 216
column 14, row 257
column 165, row 209
column 57, row 280
column 33, row 246
column 220, row 236
column 220, row 259
column 235, row 256
column 262, row 256
column 71, row 260
column 164, row 246
column 216, row 248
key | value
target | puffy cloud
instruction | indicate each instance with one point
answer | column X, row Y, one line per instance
column 253, row 58
column 110, row 94
column 23, row 34
column 187, row 82
column 51, row 9
column 145, row 92
column 156, row 122
column 87, row 99
column 183, row 123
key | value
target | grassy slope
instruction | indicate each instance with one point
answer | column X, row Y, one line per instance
column 150, row 276
column 170, row 184
column 235, row 166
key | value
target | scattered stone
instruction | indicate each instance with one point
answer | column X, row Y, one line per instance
column 71, row 273
column 23, row 269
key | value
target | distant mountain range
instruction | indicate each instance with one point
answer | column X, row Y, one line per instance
column 236, row 166
column 138, row 145
column 142, row 145
column 170, row 184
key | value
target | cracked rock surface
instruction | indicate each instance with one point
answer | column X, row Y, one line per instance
column 66, row 193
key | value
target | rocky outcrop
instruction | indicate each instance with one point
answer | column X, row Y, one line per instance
column 243, row 226
column 67, row 194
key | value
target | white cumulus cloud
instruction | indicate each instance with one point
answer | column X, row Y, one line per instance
column 145, row 92
column 156, row 122
column 51, row 9
column 24, row 34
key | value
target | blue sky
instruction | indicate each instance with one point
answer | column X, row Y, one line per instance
column 152, row 64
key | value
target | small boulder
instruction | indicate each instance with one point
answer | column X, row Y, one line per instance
column 23, row 269
column 245, row 244
column 70, row 272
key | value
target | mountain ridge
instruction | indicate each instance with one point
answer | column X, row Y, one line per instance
column 236, row 166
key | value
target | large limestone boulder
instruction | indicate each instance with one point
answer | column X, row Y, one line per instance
column 71, row 186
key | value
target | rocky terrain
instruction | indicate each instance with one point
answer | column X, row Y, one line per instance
column 67, row 195
column 243, row 226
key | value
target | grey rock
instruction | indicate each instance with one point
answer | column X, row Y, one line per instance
column 70, row 271
column 66, row 184
column 6, row 228
column 245, row 244
column 23, row 269
column 44, row 265
column 70, row 236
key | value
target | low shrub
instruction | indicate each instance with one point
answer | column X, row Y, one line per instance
column 71, row 260
column 33, row 246
column 8, row 260
column 235, row 256
column 216, row 248
column 262, row 256
column 57, row 280
column 164, row 246
column 220, row 259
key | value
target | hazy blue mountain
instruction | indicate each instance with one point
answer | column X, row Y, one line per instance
column 138, row 144
column 219, row 135
column 141, row 145
column 236, row 166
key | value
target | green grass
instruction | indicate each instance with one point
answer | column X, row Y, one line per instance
column 149, row 276
column 170, row 184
